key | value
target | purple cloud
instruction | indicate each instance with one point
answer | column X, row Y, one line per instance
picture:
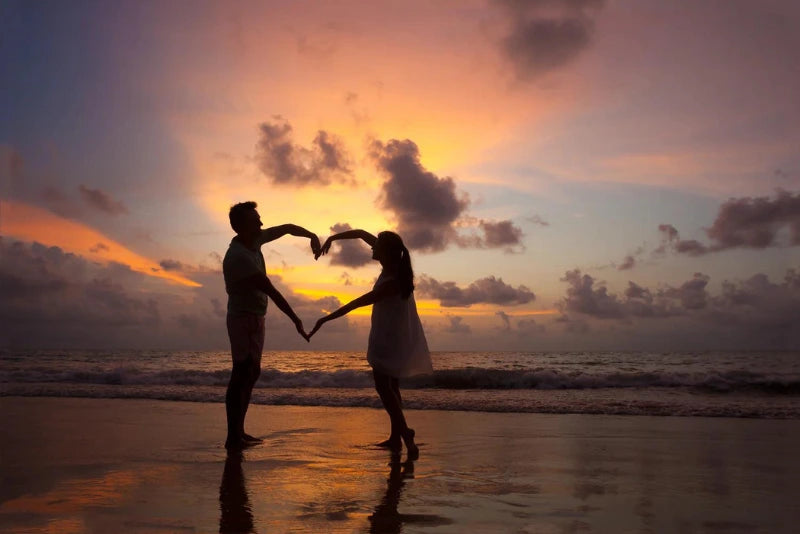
column 285, row 163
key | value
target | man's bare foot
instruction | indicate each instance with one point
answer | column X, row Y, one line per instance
column 253, row 439
column 392, row 443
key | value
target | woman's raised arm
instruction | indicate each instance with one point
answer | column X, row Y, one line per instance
column 347, row 234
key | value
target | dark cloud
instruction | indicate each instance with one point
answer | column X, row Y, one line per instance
column 505, row 318
column 527, row 327
column 756, row 222
column 349, row 252
column 457, row 326
column 52, row 298
column 535, row 219
column 172, row 265
column 671, row 240
column 627, row 264
column 585, row 298
column 489, row 290
column 691, row 294
column 747, row 222
column 429, row 208
column 102, row 201
column 545, row 35
column 425, row 205
column 98, row 247
column 501, row 234
column 285, row 163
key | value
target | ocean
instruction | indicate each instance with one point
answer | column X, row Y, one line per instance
column 719, row 384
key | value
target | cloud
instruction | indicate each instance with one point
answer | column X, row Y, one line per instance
column 756, row 222
column 456, row 325
column 102, row 201
column 501, row 234
column 527, row 327
column 627, row 264
column 172, row 265
column 536, row 219
column 588, row 297
column 585, row 298
column 545, row 35
column 349, row 252
column 425, row 205
column 505, row 318
column 429, row 208
column 285, row 163
column 54, row 298
column 489, row 290
column 748, row 222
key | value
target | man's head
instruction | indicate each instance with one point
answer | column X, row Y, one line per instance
column 244, row 218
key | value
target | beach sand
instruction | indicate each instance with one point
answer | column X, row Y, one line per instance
column 72, row 465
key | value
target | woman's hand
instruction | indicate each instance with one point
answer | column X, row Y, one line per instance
column 317, row 326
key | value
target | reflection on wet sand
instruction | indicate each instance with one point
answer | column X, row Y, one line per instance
column 386, row 519
column 236, row 515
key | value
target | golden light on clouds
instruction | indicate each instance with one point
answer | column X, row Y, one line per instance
column 29, row 223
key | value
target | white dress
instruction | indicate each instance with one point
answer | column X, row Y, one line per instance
column 397, row 345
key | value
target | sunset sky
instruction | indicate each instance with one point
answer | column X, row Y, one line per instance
column 568, row 174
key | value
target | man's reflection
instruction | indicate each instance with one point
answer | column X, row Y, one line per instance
column 234, row 505
column 385, row 519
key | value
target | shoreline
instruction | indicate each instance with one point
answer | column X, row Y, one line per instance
column 633, row 402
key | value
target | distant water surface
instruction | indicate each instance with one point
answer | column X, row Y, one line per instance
column 734, row 384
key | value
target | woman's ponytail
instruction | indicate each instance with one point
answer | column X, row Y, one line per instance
column 406, row 273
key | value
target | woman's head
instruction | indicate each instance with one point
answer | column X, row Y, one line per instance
column 390, row 251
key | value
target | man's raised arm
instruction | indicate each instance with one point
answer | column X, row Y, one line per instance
column 275, row 232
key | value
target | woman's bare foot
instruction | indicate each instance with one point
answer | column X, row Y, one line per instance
column 408, row 438
column 252, row 439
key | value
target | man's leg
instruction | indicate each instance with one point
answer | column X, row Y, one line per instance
column 233, row 405
column 255, row 349
column 253, row 372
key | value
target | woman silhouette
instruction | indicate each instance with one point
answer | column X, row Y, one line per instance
column 397, row 347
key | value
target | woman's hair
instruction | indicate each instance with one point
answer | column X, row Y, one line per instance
column 395, row 246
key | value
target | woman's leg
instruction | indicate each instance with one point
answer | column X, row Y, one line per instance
column 392, row 404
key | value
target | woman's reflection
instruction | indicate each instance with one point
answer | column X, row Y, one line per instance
column 234, row 505
column 386, row 519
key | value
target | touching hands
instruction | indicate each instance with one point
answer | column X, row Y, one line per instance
column 323, row 249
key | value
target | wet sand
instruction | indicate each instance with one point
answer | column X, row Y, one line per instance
column 72, row 465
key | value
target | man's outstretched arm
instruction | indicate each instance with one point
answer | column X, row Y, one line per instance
column 275, row 232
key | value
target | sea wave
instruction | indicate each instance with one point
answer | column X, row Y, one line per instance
column 450, row 379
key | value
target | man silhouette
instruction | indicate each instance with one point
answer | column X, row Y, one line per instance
column 248, row 287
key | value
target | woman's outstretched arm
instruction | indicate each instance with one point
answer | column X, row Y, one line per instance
column 389, row 288
column 347, row 234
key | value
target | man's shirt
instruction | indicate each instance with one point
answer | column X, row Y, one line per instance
column 239, row 264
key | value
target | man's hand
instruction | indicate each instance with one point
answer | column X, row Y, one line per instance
column 315, row 248
column 300, row 330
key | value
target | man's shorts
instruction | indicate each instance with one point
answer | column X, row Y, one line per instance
column 246, row 333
